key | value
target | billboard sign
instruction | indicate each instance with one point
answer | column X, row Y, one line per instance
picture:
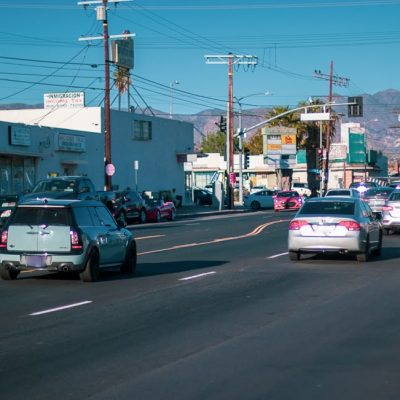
column 279, row 140
column 65, row 100
column 122, row 52
column 337, row 152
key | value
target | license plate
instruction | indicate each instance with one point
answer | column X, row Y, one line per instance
column 36, row 260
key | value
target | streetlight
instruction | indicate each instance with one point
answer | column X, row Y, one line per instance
column 238, row 100
column 365, row 145
column 171, row 91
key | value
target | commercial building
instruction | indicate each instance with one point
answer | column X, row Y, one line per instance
column 148, row 152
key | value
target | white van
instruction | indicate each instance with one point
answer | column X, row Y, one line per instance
column 301, row 188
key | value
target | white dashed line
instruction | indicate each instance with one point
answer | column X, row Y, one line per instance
column 82, row 303
column 197, row 276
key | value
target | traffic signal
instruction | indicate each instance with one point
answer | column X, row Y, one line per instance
column 246, row 159
column 320, row 158
column 221, row 124
column 356, row 109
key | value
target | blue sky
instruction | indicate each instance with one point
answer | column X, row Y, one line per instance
column 40, row 52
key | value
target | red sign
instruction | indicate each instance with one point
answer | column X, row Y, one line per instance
column 232, row 178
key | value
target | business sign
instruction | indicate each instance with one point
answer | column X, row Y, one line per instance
column 64, row 100
column 74, row 143
column 279, row 161
column 337, row 152
column 279, row 140
column 20, row 136
column 122, row 52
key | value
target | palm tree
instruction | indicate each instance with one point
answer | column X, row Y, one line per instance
column 122, row 81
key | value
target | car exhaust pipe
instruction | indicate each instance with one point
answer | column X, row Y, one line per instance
column 65, row 268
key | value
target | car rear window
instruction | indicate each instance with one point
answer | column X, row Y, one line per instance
column 338, row 193
column 42, row 216
column 328, row 208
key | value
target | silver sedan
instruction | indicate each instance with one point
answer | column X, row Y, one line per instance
column 335, row 225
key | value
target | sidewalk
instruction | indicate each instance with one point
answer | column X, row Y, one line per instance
column 191, row 211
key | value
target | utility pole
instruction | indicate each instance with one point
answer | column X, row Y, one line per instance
column 338, row 81
column 101, row 12
column 231, row 60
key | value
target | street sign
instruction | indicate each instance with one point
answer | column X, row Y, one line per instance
column 315, row 116
column 110, row 169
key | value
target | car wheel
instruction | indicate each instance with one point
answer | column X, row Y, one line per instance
column 129, row 265
column 255, row 205
column 122, row 216
column 378, row 250
column 172, row 215
column 8, row 274
column 91, row 271
column 142, row 216
column 388, row 231
column 364, row 256
column 294, row 255
column 158, row 216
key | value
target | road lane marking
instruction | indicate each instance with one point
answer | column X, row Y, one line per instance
column 62, row 308
column 197, row 276
column 279, row 255
column 149, row 237
column 254, row 232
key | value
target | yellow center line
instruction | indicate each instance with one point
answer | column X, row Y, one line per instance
column 254, row 232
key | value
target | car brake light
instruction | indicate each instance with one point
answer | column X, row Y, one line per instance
column 3, row 239
column 76, row 243
column 350, row 225
column 297, row 224
column 387, row 208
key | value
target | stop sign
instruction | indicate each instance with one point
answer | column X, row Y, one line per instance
column 110, row 169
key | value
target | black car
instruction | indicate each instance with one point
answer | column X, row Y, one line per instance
column 127, row 205
column 202, row 197
column 63, row 187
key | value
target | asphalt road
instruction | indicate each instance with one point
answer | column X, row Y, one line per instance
column 215, row 311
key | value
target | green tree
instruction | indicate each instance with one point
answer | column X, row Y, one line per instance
column 122, row 81
column 214, row 143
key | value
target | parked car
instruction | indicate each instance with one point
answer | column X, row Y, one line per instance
column 65, row 236
column 63, row 187
column 8, row 202
column 202, row 197
column 287, row 200
column 158, row 209
column 391, row 213
column 257, row 188
column 344, row 225
column 301, row 188
column 376, row 197
column 127, row 205
column 343, row 192
column 261, row 199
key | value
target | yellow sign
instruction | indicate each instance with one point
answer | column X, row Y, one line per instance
column 288, row 139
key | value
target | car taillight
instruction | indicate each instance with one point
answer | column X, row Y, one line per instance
column 387, row 208
column 3, row 239
column 350, row 225
column 76, row 243
column 297, row 224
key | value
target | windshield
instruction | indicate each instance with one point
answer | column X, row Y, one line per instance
column 55, row 185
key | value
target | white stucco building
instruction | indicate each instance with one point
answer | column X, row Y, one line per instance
column 36, row 143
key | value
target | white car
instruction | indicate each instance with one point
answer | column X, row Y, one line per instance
column 301, row 188
column 343, row 192
column 261, row 199
column 255, row 189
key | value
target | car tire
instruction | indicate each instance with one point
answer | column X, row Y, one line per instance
column 294, row 255
column 8, row 274
column 129, row 265
column 364, row 256
column 378, row 250
column 122, row 216
column 142, row 216
column 172, row 215
column 255, row 205
column 91, row 271
column 388, row 231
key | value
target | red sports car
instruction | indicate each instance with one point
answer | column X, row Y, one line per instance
column 159, row 209
column 287, row 200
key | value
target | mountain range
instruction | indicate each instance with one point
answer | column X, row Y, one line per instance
column 381, row 119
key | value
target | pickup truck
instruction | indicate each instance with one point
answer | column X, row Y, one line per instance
column 63, row 187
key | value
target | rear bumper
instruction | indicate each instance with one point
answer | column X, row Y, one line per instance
column 54, row 263
column 326, row 244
